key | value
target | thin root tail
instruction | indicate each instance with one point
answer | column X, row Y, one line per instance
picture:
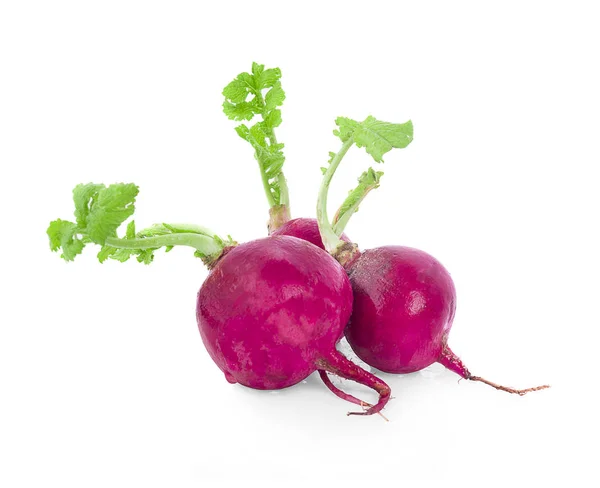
column 508, row 389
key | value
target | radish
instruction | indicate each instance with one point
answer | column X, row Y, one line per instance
column 270, row 311
column 404, row 299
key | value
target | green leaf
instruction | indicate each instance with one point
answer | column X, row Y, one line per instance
column 121, row 255
column 62, row 235
column 268, row 78
column 145, row 256
column 274, row 97
column 257, row 69
column 100, row 210
column 243, row 131
column 368, row 181
column 237, row 91
column 273, row 119
column 258, row 137
column 113, row 206
column 240, row 111
column 130, row 232
column 376, row 136
column 346, row 128
column 105, row 252
column 244, row 98
column 83, row 197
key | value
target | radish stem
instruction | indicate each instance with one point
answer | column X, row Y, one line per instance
column 368, row 181
column 208, row 246
column 330, row 239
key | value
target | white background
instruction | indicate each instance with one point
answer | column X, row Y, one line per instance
column 104, row 380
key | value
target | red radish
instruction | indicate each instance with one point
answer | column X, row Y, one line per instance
column 271, row 311
column 404, row 305
column 306, row 229
column 404, row 299
column 408, row 300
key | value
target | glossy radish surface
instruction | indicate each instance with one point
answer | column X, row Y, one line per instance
column 306, row 229
column 408, row 299
column 269, row 308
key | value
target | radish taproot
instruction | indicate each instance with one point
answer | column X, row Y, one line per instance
column 270, row 311
column 404, row 299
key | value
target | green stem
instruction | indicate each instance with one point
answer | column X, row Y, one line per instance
column 330, row 239
column 284, row 194
column 350, row 206
column 191, row 228
column 208, row 246
column 265, row 182
column 278, row 216
column 271, row 133
column 284, row 198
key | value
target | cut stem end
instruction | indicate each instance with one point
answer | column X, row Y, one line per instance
column 278, row 215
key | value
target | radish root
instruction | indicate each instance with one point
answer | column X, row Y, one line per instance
column 346, row 396
column 452, row 362
column 507, row 388
column 336, row 363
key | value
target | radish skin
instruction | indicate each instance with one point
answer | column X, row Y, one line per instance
column 306, row 229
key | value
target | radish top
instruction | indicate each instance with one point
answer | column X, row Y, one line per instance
column 99, row 212
column 377, row 137
column 259, row 93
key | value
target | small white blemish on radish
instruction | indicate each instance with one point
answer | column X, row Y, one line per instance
column 416, row 302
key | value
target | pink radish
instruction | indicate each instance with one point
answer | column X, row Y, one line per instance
column 404, row 299
column 270, row 311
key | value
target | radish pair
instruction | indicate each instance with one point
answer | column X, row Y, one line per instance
column 403, row 299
